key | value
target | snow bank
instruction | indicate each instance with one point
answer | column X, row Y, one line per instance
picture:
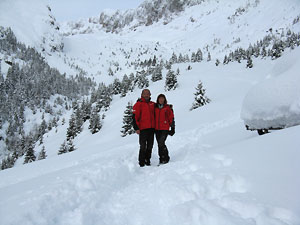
column 275, row 102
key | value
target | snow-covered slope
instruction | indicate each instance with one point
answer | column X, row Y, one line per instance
column 217, row 27
column 33, row 24
column 219, row 173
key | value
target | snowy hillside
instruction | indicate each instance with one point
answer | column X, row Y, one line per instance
column 219, row 173
column 215, row 27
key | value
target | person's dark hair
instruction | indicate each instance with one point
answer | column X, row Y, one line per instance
column 161, row 95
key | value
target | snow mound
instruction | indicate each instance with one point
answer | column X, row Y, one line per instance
column 275, row 103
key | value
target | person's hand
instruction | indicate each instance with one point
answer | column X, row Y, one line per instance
column 138, row 131
column 172, row 131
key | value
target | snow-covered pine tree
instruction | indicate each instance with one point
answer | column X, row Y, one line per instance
column 249, row 63
column 157, row 74
column 78, row 120
column 174, row 58
column 208, row 57
column 171, row 81
column 63, row 148
column 42, row 154
column 71, row 131
column 30, row 156
column 86, row 109
column 198, row 56
column 127, row 127
column 125, row 85
column 200, row 98
column 143, row 81
column 193, row 57
column 132, row 83
column 70, row 146
column 95, row 121
column 116, row 87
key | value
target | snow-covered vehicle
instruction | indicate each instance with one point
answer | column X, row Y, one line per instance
column 275, row 102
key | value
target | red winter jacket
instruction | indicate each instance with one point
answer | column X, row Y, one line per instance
column 143, row 114
column 164, row 117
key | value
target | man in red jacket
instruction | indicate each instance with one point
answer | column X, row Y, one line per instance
column 144, row 124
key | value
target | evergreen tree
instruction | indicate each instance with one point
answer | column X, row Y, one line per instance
column 42, row 154
column 72, row 130
column 193, row 57
column 143, row 81
column 30, row 155
column 226, row 60
column 208, row 57
column 125, row 85
column 78, row 120
column 63, row 148
column 116, row 87
column 70, row 146
column 174, row 58
column 157, row 74
column 95, row 122
column 127, row 127
column 86, row 108
column 198, row 56
column 171, row 81
column 180, row 58
column 110, row 72
column 249, row 63
column 132, row 83
column 200, row 98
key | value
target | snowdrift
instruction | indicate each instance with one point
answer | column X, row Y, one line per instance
column 275, row 102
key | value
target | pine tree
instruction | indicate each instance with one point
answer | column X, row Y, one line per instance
column 116, row 86
column 125, row 85
column 127, row 127
column 249, row 63
column 208, row 57
column 63, row 148
column 143, row 81
column 86, row 110
column 78, row 120
column 42, row 154
column 171, row 81
column 70, row 146
column 157, row 74
column 30, row 156
column 193, row 57
column 173, row 58
column 198, row 56
column 95, row 122
column 200, row 98
column 177, row 72
column 71, row 131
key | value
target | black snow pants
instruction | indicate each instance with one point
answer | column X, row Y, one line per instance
column 146, row 139
column 161, row 137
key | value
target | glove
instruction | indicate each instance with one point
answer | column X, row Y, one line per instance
column 172, row 131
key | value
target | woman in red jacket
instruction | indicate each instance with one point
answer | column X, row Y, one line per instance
column 164, row 119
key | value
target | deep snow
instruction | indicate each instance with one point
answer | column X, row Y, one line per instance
column 219, row 172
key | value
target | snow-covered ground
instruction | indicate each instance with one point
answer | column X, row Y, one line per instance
column 275, row 102
column 219, row 173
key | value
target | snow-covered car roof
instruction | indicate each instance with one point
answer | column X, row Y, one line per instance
column 275, row 102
